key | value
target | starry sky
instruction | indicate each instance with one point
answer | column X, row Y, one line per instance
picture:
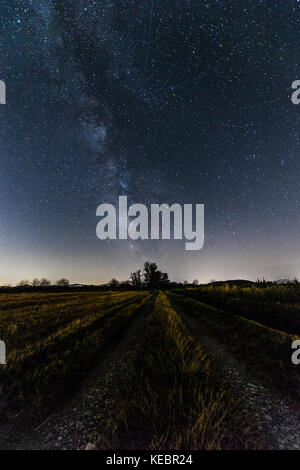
column 185, row 101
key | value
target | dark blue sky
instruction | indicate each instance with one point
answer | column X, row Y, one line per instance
column 163, row 101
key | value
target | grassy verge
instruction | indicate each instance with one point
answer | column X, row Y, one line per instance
column 170, row 398
column 42, row 372
column 265, row 351
column 28, row 320
column 275, row 306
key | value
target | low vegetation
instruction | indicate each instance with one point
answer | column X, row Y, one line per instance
column 171, row 395
column 53, row 340
column 171, row 392
column 277, row 306
column 265, row 351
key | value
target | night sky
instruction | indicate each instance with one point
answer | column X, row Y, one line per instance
column 184, row 101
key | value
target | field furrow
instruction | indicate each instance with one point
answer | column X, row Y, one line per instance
column 240, row 352
column 157, row 370
column 44, row 371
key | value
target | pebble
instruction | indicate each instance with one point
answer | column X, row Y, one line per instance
column 90, row 446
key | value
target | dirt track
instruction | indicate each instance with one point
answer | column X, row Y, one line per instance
column 276, row 418
column 80, row 422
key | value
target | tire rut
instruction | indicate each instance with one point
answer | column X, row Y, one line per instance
column 275, row 417
column 80, row 423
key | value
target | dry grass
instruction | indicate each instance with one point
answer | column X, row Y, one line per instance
column 53, row 340
column 277, row 306
column 265, row 351
column 170, row 399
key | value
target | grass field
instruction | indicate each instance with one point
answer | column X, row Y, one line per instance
column 265, row 351
column 277, row 306
column 170, row 394
column 52, row 340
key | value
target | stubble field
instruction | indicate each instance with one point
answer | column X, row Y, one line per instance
column 183, row 369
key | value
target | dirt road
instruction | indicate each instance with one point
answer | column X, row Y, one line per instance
column 276, row 417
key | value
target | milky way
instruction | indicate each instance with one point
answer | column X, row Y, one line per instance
column 160, row 100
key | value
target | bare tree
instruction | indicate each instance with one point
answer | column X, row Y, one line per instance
column 24, row 283
column 136, row 279
column 62, row 282
column 36, row 282
column 153, row 277
column 125, row 284
column 45, row 282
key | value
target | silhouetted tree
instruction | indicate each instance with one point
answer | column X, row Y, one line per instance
column 24, row 283
column 164, row 280
column 136, row 279
column 125, row 284
column 195, row 282
column 153, row 277
column 62, row 282
column 114, row 282
column 45, row 282
column 36, row 282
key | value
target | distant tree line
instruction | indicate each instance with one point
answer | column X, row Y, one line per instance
column 43, row 283
column 150, row 277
